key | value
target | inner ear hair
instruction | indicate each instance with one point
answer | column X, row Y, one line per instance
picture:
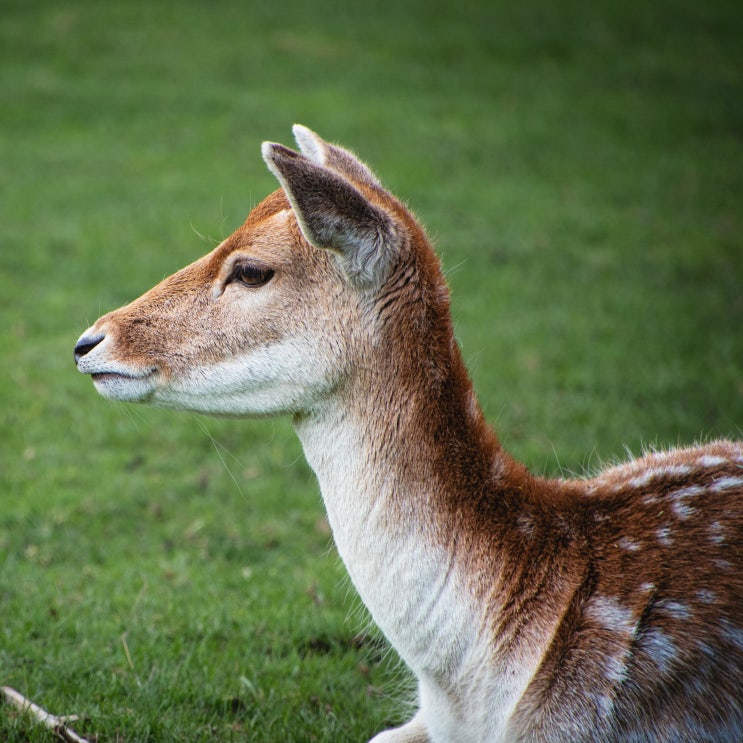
column 334, row 214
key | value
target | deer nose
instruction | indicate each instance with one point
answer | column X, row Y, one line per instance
column 86, row 344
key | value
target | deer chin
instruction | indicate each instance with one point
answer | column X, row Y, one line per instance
column 125, row 386
column 112, row 378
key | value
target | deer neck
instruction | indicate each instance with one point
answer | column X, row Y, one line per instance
column 382, row 452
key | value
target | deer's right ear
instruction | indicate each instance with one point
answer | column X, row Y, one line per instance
column 333, row 214
column 336, row 158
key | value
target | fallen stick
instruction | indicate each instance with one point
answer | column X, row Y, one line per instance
column 56, row 724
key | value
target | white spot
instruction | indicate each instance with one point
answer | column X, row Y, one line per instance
column 615, row 669
column 722, row 564
column 675, row 609
column 727, row 483
column 682, row 510
column 664, row 536
column 705, row 648
column 647, row 587
column 710, row 460
column 609, row 613
column 660, row 473
column 679, row 506
column 643, row 479
column 678, row 470
column 689, row 492
column 628, row 545
column 717, row 532
column 660, row 648
column 706, row 597
column 732, row 633
column 605, row 705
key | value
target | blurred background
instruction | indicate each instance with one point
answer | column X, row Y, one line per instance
column 579, row 167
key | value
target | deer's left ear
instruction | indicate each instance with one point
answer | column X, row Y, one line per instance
column 335, row 215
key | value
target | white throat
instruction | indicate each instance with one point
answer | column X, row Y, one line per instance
column 414, row 585
column 410, row 584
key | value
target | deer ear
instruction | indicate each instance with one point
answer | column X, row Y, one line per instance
column 333, row 214
column 336, row 158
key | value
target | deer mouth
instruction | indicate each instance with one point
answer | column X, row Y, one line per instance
column 126, row 386
column 114, row 375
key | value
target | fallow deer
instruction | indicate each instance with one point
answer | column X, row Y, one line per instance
column 529, row 609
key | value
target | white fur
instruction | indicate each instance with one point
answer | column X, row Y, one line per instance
column 661, row 649
column 727, row 483
column 270, row 380
column 609, row 613
column 309, row 143
column 414, row 592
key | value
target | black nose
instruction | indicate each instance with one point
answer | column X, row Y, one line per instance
column 86, row 344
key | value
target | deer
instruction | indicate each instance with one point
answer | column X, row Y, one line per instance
column 607, row 607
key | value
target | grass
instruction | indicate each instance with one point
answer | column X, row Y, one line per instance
column 579, row 168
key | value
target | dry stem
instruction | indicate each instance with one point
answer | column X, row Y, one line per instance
column 57, row 724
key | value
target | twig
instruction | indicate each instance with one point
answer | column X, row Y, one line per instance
column 56, row 724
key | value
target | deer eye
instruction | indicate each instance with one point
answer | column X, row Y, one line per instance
column 250, row 274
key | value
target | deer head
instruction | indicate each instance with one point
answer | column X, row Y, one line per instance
column 275, row 317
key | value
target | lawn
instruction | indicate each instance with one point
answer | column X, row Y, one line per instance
column 579, row 167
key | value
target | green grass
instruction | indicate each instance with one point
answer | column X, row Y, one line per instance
column 579, row 167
